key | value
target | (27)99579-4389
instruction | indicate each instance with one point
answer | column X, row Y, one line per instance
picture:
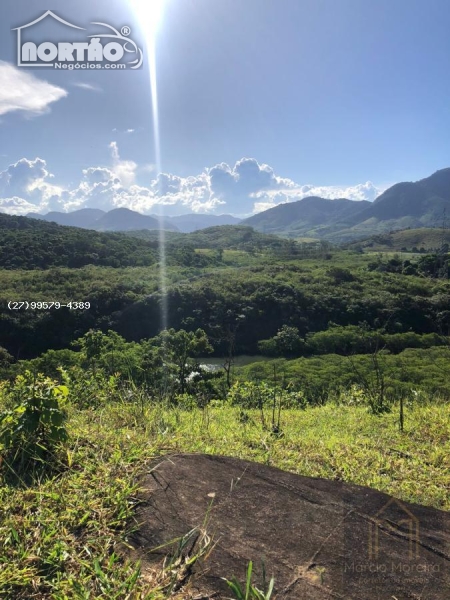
column 25, row 305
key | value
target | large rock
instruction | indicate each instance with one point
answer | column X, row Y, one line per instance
column 320, row 539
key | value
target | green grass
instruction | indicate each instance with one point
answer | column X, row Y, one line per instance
column 345, row 443
column 248, row 591
column 62, row 536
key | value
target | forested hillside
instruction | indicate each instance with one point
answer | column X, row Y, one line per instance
column 225, row 237
column 421, row 240
column 417, row 204
column 34, row 244
column 252, row 293
column 346, row 354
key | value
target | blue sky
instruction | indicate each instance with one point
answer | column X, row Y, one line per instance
column 260, row 102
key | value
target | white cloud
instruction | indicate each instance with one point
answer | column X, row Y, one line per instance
column 362, row 191
column 21, row 91
column 31, row 181
column 247, row 187
column 129, row 130
column 261, row 206
column 20, row 177
column 125, row 170
column 270, row 198
column 88, row 86
column 16, row 206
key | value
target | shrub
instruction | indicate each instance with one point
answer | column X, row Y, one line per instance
column 340, row 275
column 31, row 431
column 287, row 342
column 250, row 394
column 91, row 388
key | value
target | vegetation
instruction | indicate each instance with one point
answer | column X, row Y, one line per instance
column 311, row 291
column 353, row 386
column 63, row 533
column 34, row 244
column 420, row 204
column 32, row 429
column 249, row 591
column 230, row 237
column 424, row 239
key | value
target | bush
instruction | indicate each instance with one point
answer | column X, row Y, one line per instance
column 251, row 394
column 340, row 275
column 91, row 389
column 287, row 342
column 32, row 430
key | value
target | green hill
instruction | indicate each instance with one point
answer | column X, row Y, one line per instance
column 404, row 205
column 307, row 217
column 28, row 243
column 225, row 237
column 424, row 202
column 34, row 244
column 409, row 240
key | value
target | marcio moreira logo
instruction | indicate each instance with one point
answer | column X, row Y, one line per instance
column 403, row 518
column 108, row 49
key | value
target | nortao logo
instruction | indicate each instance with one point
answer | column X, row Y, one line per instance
column 109, row 50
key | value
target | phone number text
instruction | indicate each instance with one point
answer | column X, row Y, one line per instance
column 12, row 305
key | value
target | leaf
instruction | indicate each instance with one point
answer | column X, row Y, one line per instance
column 270, row 590
column 236, row 588
column 249, row 579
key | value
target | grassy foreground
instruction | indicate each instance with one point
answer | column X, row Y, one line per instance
column 60, row 537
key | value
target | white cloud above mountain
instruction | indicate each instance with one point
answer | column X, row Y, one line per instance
column 243, row 189
column 266, row 199
column 124, row 170
column 16, row 206
column 22, row 91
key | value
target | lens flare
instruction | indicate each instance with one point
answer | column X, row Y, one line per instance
column 149, row 14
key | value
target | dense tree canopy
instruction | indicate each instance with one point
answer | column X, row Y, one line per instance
column 274, row 297
column 33, row 244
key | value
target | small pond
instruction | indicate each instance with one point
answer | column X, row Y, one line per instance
column 214, row 364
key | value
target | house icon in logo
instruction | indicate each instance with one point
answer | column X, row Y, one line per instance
column 75, row 49
column 48, row 13
column 383, row 521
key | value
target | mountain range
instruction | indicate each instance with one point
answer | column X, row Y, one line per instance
column 424, row 203
column 124, row 219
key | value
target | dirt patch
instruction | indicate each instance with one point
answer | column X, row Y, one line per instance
column 320, row 539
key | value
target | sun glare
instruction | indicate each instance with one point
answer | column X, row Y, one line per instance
column 149, row 14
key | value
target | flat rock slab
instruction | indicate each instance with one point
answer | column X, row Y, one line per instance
column 320, row 539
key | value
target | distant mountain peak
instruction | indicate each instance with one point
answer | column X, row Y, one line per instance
column 126, row 219
column 404, row 205
column 407, row 204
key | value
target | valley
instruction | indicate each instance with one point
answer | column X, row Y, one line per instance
column 325, row 360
